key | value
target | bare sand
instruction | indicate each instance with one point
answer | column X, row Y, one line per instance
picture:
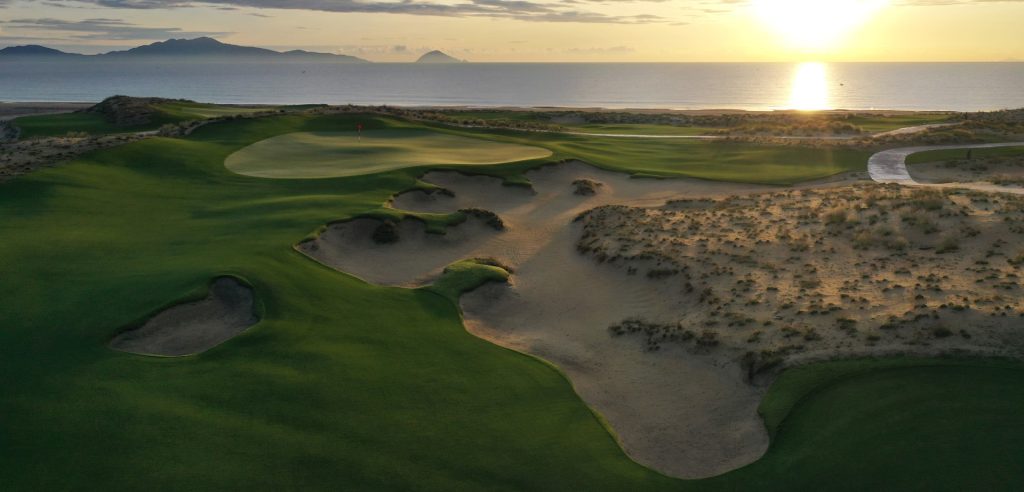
column 671, row 304
column 686, row 414
column 194, row 327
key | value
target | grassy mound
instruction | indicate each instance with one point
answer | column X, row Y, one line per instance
column 334, row 154
column 121, row 114
column 466, row 275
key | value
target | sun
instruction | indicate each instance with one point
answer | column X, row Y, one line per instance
column 809, row 91
column 815, row 25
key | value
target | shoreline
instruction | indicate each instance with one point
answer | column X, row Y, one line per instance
column 51, row 106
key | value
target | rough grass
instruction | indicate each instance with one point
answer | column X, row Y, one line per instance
column 52, row 125
column 347, row 384
column 346, row 153
column 466, row 275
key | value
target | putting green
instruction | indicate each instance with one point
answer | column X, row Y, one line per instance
column 334, row 154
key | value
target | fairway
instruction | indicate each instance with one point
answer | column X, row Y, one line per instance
column 346, row 382
column 336, row 154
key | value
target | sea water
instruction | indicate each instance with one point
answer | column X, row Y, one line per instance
column 756, row 86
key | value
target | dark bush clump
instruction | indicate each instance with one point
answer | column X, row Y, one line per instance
column 490, row 218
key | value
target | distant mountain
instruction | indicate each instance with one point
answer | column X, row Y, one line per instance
column 198, row 47
column 438, row 57
column 33, row 50
column 193, row 47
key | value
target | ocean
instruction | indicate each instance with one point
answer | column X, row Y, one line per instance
column 752, row 86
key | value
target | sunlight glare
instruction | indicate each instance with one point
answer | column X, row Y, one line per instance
column 814, row 25
column 810, row 88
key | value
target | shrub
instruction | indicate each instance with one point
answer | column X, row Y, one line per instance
column 707, row 339
column 948, row 245
column 835, row 218
column 941, row 332
column 489, row 218
column 585, row 187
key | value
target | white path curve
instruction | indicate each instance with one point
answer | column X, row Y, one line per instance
column 890, row 166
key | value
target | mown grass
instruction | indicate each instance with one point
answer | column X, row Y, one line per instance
column 640, row 129
column 958, row 154
column 885, row 123
column 348, row 153
column 892, row 424
column 701, row 159
column 713, row 160
column 353, row 386
column 342, row 383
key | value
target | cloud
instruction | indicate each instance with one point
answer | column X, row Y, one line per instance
column 100, row 28
column 525, row 10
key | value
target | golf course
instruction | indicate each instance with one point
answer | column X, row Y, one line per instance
column 325, row 381
column 330, row 155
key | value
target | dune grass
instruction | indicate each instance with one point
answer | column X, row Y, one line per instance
column 335, row 154
column 957, row 154
column 347, row 385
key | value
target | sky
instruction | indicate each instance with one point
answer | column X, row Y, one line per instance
column 544, row 30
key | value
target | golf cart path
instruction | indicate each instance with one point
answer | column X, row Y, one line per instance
column 890, row 166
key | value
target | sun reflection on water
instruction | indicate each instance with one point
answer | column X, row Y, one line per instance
column 809, row 90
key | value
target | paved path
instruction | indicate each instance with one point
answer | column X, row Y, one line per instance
column 890, row 166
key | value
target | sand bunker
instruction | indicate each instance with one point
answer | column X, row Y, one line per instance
column 685, row 414
column 194, row 327
column 415, row 258
column 334, row 154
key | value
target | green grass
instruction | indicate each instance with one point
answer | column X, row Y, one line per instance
column 194, row 111
column 894, row 122
column 348, row 385
column 334, row 154
column 892, row 424
column 640, row 129
column 466, row 275
column 955, row 154
column 714, row 160
column 341, row 383
column 701, row 159
column 52, row 125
